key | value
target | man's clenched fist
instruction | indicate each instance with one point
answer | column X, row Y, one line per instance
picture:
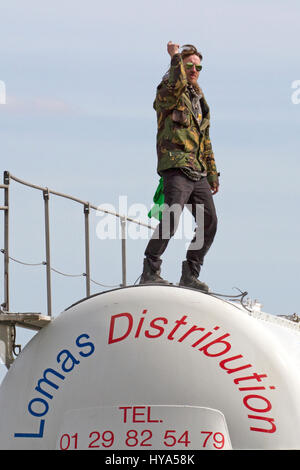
column 172, row 48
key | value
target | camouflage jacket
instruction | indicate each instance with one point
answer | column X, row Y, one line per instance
column 181, row 141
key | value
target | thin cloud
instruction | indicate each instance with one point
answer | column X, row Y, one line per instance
column 39, row 105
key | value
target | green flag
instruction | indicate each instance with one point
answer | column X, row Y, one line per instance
column 158, row 199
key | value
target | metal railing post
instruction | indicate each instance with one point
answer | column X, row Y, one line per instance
column 6, row 330
column 47, row 241
column 87, row 208
column 123, row 231
column 6, row 180
column 87, row 248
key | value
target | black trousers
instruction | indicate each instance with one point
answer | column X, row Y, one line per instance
column 179, row 191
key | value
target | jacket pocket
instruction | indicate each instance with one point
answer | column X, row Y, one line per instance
column 181, row 117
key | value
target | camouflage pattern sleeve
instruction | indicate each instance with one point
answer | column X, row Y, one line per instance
column 181, row 141
column 212, row 174
column 171, row 88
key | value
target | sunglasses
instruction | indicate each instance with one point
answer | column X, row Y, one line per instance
column 190, row 65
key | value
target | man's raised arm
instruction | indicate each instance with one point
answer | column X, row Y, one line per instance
column 170, row 90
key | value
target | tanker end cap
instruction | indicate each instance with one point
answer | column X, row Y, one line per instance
column 112, row 371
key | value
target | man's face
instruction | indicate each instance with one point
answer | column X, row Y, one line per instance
column 191, row 73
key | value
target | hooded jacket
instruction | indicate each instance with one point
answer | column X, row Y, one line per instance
column 181, row 140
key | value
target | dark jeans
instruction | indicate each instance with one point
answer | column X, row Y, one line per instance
column 180, row 190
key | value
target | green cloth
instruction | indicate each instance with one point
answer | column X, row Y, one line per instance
column 158, row 199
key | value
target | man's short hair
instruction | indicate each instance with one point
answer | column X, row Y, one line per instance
column 189, row 49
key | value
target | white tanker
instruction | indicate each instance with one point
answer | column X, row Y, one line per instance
column 155, row 367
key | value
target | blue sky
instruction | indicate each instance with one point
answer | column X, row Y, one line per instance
column 80, row 81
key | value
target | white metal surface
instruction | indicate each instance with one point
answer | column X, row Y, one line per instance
column 146, row 347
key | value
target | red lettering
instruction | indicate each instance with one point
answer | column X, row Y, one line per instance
column 138, row 330
column 112, row 325
column 159, row 328
column 178, row 324
column 137, row 333
column 125, row 408
column 249, row 389
column 135, row 414
column 230, row 371
column 257, row 397
column 137, row 411
column 191, row 330
column 216, row 341
column 255, row 376
column 149, row 420
column 201, row 339
column 264, row 418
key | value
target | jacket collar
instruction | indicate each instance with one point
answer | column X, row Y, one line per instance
column 205, row 110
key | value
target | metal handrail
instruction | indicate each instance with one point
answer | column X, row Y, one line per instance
column 73, row 198
column 87, row 206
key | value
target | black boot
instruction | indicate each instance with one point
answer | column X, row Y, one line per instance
column 189, row 279
column 150, row 276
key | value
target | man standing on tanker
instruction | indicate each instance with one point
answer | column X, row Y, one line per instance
column 186, row 163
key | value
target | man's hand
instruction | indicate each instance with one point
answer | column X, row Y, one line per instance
column 214, row 187
column 172, row 48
